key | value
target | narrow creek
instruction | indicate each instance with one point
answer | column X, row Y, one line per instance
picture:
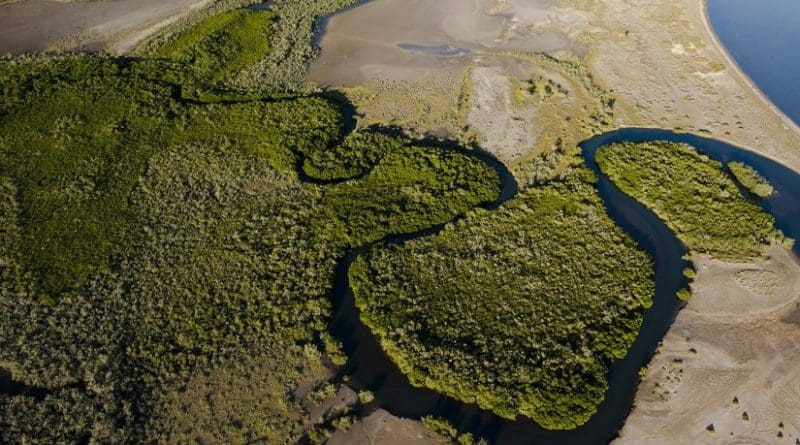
column 370, row 368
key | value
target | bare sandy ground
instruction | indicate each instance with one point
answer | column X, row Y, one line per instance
column 114, row 25
column 457, row 68
column 669, row 71
column 383, row 428
column 728, row 368
column 509, row 133
column 373, row 40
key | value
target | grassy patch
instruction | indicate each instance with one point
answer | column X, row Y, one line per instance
column 75, row 149
column 692, row 194
column 750, row 179
column 520, row 310
column 222, row 45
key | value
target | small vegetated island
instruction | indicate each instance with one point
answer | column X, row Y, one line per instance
column 751, row 180
column 693, row 194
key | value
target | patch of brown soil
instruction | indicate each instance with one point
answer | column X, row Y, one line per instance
column 382, row 428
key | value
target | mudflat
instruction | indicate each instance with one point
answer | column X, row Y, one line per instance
column 398, row 39
column 113, row 25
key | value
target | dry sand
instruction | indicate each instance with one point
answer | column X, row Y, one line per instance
column 382, row 428
column 733, row 350
column 112, row 25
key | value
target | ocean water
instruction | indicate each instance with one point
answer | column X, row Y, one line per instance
column 764, row 38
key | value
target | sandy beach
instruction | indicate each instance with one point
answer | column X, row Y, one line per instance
column 731, row 62
column 674, row 74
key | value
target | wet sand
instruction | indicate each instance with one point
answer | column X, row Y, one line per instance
column 113, row 25
column 372, row 40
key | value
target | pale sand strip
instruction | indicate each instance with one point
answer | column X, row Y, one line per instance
column 735, row 67
column 114, row 25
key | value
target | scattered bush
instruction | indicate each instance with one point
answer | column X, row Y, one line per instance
column 750, row 179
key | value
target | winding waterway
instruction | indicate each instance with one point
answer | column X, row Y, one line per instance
column 370, row 368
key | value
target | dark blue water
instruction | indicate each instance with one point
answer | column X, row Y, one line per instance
column 764, row 38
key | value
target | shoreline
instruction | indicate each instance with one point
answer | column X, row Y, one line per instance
column 740, row 73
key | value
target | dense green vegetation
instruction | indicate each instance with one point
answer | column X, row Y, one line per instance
column 411, row 187
column 82, row 135
column 520, row 310
column 692, row 194
column 166, row 274
column 353, row 157
column 169, row 232
column 222, row 45
column 750, row 179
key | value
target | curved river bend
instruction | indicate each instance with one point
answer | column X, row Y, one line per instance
column 370, row 368
column 756, row 34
